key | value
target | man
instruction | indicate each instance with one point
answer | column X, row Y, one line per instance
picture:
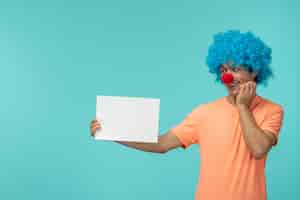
column 234, row 132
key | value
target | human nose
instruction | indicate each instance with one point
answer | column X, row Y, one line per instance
column 227, row 78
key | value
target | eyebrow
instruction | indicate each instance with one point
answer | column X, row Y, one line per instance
column 240, row 67
column 223, row 66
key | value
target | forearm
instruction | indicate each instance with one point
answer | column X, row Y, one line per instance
column 148, row 147
column 254, row 137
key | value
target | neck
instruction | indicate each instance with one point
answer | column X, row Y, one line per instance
column 231, row 99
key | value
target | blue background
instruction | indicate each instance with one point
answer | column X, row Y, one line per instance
column 56, row 56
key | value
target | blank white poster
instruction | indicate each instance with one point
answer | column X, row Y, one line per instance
column 133, row 119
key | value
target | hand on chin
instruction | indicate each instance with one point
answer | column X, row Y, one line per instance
column 234, row 91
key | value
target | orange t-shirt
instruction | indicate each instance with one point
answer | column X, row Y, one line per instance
column 228, row 171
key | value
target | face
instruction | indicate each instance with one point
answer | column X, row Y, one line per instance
column 240, row 75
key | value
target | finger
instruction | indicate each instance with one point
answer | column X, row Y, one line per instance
column 254, row 88
column 92, row 124
column 94, row 121
column 247, row 88
column 250, row 89
column 242, row 89
column 94, row 130
column 95, row 127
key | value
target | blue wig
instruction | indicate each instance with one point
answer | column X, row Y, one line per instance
column 240, row 49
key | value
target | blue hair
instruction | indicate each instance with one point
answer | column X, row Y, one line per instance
column 241, row 49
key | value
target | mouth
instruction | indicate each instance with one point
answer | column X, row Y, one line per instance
column 234, row 84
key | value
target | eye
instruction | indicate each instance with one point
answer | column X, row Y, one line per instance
column 236, row 69
column 223, row 69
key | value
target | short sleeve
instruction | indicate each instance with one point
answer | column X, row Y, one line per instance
column 186, row 131
column 273, row 122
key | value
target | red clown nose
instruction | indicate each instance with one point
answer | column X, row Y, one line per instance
column 227, row 78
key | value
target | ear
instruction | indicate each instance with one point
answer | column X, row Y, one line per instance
column 253, row 75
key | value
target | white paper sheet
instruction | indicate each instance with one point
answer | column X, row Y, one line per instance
column 133, row 119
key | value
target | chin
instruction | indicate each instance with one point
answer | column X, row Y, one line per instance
column 233, row 93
